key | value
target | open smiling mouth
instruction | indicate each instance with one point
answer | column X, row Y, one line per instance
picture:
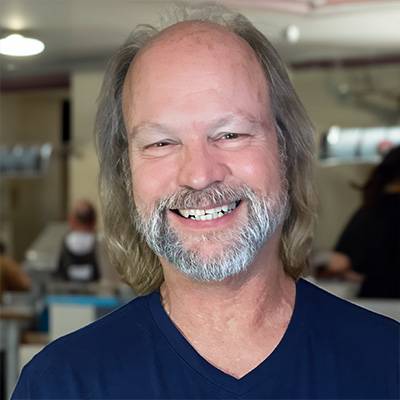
column 209, row 214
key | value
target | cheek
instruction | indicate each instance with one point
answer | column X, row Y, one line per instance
column 259, row 169
column 150, row 182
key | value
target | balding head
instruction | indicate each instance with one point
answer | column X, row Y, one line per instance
column 190, row 58
column 294, row 131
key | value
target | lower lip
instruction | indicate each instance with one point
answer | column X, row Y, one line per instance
column 213, row 223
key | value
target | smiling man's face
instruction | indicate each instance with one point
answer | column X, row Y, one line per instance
column 203, row 148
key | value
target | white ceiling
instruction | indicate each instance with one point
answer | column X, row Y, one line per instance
column 84, row 33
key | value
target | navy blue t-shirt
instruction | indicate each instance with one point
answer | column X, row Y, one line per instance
column 331, row 350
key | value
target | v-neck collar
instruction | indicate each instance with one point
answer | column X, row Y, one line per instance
column 268, row 369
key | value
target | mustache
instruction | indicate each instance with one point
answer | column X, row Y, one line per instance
column 190, row 198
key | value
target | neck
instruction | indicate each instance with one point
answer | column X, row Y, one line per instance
column 254, row 308
column 259, row 292
column 263, row 282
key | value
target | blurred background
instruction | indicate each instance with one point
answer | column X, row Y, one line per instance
column 343, row 57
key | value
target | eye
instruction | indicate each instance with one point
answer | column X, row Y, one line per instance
column 160, row 144
column 157, row 144
column 230, row 136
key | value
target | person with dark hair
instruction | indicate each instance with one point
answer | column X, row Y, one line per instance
column 206, row 184
column 78, row 258
column 368, row 248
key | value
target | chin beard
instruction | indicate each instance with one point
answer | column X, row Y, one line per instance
column 238, row 245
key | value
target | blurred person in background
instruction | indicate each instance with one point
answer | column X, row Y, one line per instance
column 368, row 250
column 12, row 276
column 78, row 259
column 84, row 254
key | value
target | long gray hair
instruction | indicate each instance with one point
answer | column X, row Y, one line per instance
column 137, row 265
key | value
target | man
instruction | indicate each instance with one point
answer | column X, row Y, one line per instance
column 84, row 259
column 78, row 259
column 205, row 146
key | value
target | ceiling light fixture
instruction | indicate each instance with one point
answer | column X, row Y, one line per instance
column 20, row 46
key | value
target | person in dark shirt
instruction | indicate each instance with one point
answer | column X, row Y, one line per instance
column 206, row 181
column 368, row 249
column 78, row 259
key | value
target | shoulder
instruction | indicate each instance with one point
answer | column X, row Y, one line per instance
column 321, row 301
column 112, row 328
column 88, row 349
column 346, row 322
column 350, row 351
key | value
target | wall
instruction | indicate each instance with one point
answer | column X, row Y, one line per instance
column 27, row 204
column 83, row 166
column 351, row 97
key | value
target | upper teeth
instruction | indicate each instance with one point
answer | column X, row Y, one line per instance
column 212, row 213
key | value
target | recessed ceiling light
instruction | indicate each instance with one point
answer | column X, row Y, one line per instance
column 20, row 46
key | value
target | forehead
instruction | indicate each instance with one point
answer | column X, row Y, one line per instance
column 196, row 43
column 202, row 32
column 199, row 35
column 193, row 59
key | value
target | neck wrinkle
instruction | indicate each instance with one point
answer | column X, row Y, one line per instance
column 259, row 300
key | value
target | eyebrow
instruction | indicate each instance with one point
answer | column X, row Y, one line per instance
column 219, row 123
column 138, row 129
column 236, row 119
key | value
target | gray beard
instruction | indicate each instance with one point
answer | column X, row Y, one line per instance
column 239, row 245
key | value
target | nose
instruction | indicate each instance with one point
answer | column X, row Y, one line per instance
column 201, row 167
